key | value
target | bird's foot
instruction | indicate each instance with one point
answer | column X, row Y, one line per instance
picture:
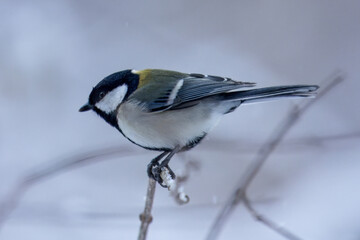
column 155, row 169
column 164, row 165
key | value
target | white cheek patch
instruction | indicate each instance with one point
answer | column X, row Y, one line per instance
column 112, row 99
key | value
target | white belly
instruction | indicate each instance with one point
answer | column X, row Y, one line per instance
column 166, row 129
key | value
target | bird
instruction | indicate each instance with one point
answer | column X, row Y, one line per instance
column 170, row 111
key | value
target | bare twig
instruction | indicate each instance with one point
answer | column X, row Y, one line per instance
column 146, row 217
column 12, row 200
column 238, row 194
column 282, row 231
column 174, row 187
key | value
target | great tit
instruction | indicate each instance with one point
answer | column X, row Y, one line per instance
column 170, row 111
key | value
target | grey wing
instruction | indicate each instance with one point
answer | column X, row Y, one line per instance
column 162, row 97
column 187, row 91
column 198, row 86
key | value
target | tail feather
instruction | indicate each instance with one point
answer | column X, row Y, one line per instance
column 271, row 93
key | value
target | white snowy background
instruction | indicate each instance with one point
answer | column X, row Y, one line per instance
column 53, row 52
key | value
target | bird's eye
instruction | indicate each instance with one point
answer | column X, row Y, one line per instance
column 101, row 95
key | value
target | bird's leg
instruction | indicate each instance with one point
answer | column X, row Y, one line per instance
column 154, row 167
column 165, row 162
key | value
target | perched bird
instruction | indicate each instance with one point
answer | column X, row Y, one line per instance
column 171, row 111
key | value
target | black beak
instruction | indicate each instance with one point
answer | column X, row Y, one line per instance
column 86, row 107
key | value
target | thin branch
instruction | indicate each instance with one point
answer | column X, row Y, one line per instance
column 10, row 202
column 238, row 194
column 176, row 186
column 280, row 230
column 178, row 194
column 146, row 217
column 173, row 186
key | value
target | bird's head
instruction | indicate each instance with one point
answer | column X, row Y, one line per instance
column 109, row 93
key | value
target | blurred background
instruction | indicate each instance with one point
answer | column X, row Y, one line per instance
column 54, row 52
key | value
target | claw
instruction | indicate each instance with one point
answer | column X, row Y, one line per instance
column 154, row 169
column 171, row 172
column 150, row 169
column 154, row 172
